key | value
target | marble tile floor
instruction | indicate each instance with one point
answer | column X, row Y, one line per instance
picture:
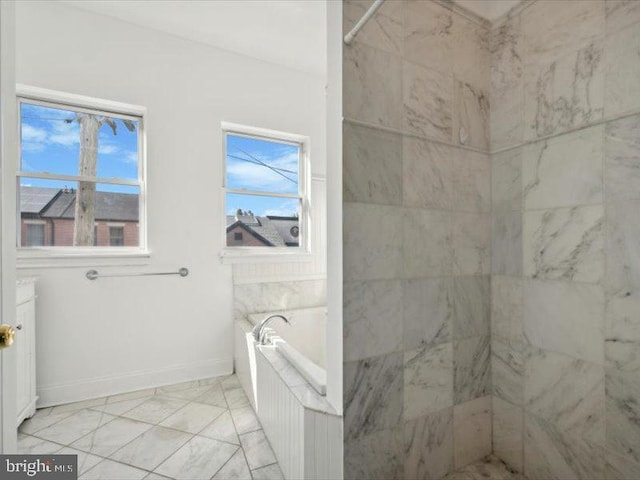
column 196, row 430
column 489, row 468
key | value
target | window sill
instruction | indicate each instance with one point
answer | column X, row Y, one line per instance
column 228, row 256
column 30, row 258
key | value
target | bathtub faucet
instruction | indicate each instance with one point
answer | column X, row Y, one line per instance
column 258, row 331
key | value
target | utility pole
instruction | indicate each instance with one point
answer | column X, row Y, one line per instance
column 85, row 211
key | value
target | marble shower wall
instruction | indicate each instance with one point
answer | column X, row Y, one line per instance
column 417, row 229
column 565, row 310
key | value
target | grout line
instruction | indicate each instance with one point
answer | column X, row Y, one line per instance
column 362, row 123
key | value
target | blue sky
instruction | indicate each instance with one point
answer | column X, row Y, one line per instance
column 51, row 144
column 263, row 166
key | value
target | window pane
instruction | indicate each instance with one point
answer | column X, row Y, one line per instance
column 34, row 234
column 258, row 221
column 50, row 142
column 262, row 165
column 53, row 203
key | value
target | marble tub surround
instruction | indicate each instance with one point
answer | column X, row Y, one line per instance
column 273, row 296
column 192, row 430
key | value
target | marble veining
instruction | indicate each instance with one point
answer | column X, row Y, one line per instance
column 551, row 454
column 471, row 181
column 427, row 172
column 428, row 35
column 471, row 306
column 623, row 410
column 471, row 431
column 272, row 296
column 372, row 311
column 372, row 86
column 622, row 161
column 572, row 25
column 471, row 243
column 623, row 255
column 471, row 55
column 428, row 102
column 427, row 243
column 566, row 392
column 379, row 456
column 472, row 369
column 507, row 371
column 565, row 317
column 428, row 380
column 428, row 311
column 506, row 243
column 565, row 244
column 428, row 444
column 507, row 94
column 564, row 171
column 564, row 94
column 383, row 31
column 372, row 166
column 373, row 393
column 507, row 433
column 471, row 120
column 488, row 467
column 621, row 14
column 373, row 242
column 506, row 181
column 617, row 467
column 622, row 55
column 507, row 308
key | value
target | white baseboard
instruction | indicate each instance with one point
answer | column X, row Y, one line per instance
column 138, row 380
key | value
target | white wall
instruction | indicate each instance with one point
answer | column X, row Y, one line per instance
column 97, row 338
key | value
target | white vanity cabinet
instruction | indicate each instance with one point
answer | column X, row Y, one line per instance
column 25, row 346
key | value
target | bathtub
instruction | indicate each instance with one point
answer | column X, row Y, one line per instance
column 301, row 342
column 285, row 381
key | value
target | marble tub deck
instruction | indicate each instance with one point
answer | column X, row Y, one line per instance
column 205, row 429
column 489, row 468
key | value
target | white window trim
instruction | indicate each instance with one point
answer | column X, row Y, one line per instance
column 302, row 253
column 29, row 257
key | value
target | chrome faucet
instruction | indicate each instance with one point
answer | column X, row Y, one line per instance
column 258, row 331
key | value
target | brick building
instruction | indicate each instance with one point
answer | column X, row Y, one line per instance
column 47, row 218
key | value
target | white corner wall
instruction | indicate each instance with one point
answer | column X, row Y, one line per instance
column 114, row 335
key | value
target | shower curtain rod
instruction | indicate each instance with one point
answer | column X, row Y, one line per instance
column 348, row 38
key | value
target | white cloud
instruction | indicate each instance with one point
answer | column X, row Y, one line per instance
column 107, row 149
column 33, row 134
column 66, row 134
column 254, row 176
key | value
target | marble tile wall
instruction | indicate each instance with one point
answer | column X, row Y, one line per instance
column 417, row 240
column 565, row 287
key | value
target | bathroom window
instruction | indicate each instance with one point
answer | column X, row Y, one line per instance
column 81, row 162
column 266, row 204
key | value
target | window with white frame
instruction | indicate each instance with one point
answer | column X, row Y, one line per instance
column 265, row 191
column 34, row 233
column 80, row 163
